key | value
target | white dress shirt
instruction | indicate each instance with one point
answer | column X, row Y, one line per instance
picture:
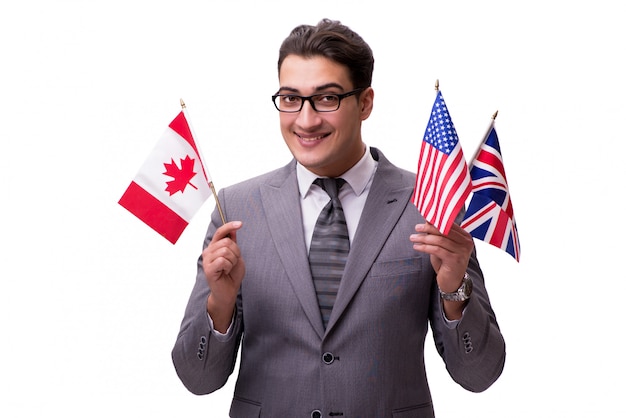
column 352, row 195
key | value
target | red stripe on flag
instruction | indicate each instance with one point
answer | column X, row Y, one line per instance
column 478, row 217
column 492, row 160
column 181, row 127
column 515, row 240
column 489, row 183
column 421, row 185
column 437, row 186
column 484, row 184
column 499, row 232
column 153, row 212
column 430, row 187
column 458, row 162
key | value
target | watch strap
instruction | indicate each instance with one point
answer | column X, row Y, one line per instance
column 463, row 293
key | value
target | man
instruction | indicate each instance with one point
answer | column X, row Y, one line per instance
column 357, row 350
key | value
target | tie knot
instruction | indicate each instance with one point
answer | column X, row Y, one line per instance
column 330, row 185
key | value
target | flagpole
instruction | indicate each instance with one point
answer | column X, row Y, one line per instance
column 493, row 120
column 204, row 169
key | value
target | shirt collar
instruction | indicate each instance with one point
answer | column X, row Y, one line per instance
column 357, row 177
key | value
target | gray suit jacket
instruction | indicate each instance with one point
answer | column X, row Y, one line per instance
column 369, row 362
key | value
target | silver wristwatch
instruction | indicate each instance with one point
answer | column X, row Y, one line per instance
column 463, row 293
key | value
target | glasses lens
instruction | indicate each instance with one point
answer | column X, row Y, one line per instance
column 288, row 103
column 326, row 102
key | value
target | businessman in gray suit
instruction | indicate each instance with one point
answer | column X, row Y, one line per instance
column 358, row 350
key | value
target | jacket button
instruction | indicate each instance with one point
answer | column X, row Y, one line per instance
column 328, row 358
column 316, row 414
column 467, row 341
column 201, row 347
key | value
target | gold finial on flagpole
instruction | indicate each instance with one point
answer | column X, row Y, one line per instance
column 437, row 85
column 182, row 104
column 495, row 115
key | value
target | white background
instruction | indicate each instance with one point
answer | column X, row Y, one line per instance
column 91, row 298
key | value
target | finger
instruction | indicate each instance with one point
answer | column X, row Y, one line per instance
column 427, row 228
column 433, row 246
column 226, row 230
column 459, row 234
column 436, row 244
column 217, row 252
column 221, row 265
column 221, row 249
column 427, row 233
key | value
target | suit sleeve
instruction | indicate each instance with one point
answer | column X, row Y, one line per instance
column 474, row 350
column 203, row 362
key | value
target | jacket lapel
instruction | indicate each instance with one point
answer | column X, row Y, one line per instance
column 281, row 202
column 385, row 203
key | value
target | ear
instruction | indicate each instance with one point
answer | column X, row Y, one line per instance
column 366, row 102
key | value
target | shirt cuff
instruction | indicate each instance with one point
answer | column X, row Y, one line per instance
column 218, row 335
column 450, row 323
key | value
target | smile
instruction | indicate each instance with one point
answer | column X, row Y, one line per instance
column 312, row 138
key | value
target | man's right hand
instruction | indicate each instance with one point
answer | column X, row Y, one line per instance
column 224, row 269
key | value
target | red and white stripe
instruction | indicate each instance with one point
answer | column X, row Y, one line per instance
column 442, row 185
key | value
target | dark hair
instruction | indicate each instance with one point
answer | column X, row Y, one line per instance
column 337, row 42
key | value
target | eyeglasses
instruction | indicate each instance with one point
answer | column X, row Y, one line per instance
column 324, row 102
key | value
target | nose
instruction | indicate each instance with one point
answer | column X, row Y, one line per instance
column 308, row 117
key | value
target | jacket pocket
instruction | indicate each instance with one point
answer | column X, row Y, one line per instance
column 244, row 408
column 397, row 267
column 424, row 410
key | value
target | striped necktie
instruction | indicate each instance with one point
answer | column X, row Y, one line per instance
column 329, row 247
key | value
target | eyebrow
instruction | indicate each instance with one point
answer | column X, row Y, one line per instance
column 317, row 89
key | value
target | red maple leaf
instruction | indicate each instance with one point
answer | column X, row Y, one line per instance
column 182, row 176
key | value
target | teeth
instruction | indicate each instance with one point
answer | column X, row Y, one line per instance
column 317, row 138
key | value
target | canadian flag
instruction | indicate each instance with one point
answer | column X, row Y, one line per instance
column 171, row 185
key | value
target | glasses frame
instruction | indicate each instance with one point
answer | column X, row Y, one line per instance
column 340, row 97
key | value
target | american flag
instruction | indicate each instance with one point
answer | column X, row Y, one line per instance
column 442, row 183
column 489, row 216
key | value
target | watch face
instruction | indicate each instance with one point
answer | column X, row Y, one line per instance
column 463, row 293
column 467, row 287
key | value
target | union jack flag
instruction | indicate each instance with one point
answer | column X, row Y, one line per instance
column 489, row 216
column 442, row 183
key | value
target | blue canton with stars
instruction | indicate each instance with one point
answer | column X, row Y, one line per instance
column 440, row 132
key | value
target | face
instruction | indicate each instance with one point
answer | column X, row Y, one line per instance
column 326, row 143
